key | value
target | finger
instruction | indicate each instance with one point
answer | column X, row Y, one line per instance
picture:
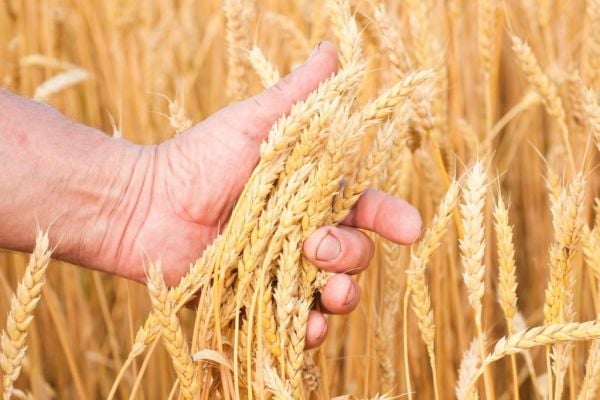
column 341, row 295
column 390, row 217
column 256, row 115
column 316, row 329
column 339, row 249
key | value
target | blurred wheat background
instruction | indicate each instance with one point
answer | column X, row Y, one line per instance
column 517, row 89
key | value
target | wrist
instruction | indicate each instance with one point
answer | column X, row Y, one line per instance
column 107, row 199
column 73, row 180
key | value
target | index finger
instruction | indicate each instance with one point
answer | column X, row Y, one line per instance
column 386, row 215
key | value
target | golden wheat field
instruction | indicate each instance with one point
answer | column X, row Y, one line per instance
column 483, row 114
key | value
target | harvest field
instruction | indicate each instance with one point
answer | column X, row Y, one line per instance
column 483, row 114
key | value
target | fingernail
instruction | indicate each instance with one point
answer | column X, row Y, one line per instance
column 328, row 249
column 350, row 296
column 314, row 52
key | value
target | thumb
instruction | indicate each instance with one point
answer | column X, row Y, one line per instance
column 255, row 116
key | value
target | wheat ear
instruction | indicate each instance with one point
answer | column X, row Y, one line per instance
column 472, row 245
column 365, row 177
column 545, row 88
column 238, row 33
column 591, row 52
column 467, row 370
column 486, row 21
column 263, row 67
column 507, row 279
column 20, row 315
column 592, row 110
column 417, row 283
column 567, row 211
column 346, row 31
column 539, row 336
column 391, row 41
column 589, row 387
column 171, row 332
column 295, row 351
column 280, row 390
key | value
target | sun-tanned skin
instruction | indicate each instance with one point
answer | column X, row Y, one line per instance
column 112, row 204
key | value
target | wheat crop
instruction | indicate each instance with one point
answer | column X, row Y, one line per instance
column 484, row 115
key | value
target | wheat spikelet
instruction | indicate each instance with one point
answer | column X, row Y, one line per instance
column 263, row 67
column 567, row 211
column 287, row 285
column 391, row 41
column 591, row 249
column 280, row 390
column 543, row 336
column 313, row 137
column 591, row 54
column 177, row 118
column 467, row 370
column 60, row 82
column 385, row 362
column 589, row 386
column 238, row 13
column 507, row 279
column 365, row 176
column 417, row 284
column 592, row 110
column 171, row 332
column 575, row 92
column 486, row 21
column 311, row 374
column 472, row 245
column 20, row 315
column 419, row 259
column 544, row 87
column 547, row 335
column 538, row 79
column 346, row 31
column 420, row 32
column 295, row 350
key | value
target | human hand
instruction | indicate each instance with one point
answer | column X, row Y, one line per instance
column 199, row 175
column 115, row 204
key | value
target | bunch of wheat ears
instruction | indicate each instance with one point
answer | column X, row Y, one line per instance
column 480, row 113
